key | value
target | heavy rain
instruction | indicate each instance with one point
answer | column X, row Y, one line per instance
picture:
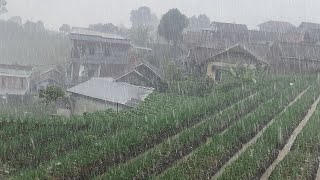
column 159, row 89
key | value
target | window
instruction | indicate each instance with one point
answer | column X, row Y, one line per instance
column 218, row 75
column 107, row 51
column 3, row 83
column 21, row 83
column 83, row 49
column 91, row 50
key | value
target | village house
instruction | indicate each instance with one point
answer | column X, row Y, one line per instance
column 14, row 82
column 99, row 94
column 144, row 75
column 218, row 32
column 48, row 76
column 199, row 54
column 269, row 37
column 277, row 27
column 232, row 57
column 295, row 57
column 97, row 54
column 306, row 26
column 310, row 32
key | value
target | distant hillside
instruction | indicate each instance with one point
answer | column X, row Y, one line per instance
column 31, row 44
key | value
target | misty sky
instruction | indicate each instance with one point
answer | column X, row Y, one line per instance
column 83, row 12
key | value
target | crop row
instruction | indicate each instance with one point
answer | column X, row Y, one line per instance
column 257, row 158
column 154, row 104
column 101, row 152
column 166, row 153
column 209, row 158
column 303, row 160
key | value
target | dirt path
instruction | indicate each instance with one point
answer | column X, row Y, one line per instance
column 318, row 172
column 286, row 149
column 254, row 140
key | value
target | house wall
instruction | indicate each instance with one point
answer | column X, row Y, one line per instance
column 148, row 73
column 231, row 59
column 98, row 50
column 44, row 84
column 113, row 70
column 86, row 104
column 100, row 59
column 135, row 79
column 53, row 74
column 211, row 71
column 295, row 65
column 14, row 82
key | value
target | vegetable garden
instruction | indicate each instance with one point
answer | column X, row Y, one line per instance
column 233, row 132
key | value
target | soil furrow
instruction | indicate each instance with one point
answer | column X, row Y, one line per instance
column 253, row 140
column 318, row 172
column 282, row 154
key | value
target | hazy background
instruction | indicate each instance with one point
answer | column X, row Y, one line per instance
column 54, row 13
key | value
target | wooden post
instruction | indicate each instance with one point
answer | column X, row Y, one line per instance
column 117, row 108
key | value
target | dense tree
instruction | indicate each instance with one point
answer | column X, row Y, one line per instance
column 65, row 28
column 30, row 26
column 23, row 46
column 143, row 21
column 16, row 19
column 143, row 17
column 51, row 94
column 171, row 26
column 202, row 21
column 140, row 35
column 107, row 28
column 3, row 8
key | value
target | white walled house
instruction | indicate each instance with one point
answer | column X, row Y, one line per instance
column 14, row 81
column 99, row 94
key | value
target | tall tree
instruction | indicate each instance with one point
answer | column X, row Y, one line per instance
column 107, row 28
column 202, row 21
column 30, row 26
column 143, row 21
column 16, row 19
column 140, row 35
column 3, row 8
column 65, row 28
column 171, row 26
column 143, row 17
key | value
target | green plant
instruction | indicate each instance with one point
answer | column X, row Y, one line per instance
column 51, row 94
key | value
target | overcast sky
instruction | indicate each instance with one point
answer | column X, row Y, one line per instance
column 83, row 12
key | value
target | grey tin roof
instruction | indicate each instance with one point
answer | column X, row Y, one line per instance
column 89, row 32
column 108, row 90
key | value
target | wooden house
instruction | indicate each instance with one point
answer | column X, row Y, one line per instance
column 144, row 75
column 277, row 27
column 231, row 58
column 14, row 82
column 97, row 54
column 295, row 57
column 310, row 31
column 48, row 76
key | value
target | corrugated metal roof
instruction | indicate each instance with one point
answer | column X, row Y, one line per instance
column 299, row 50
column 107, row 90
column 15, row 72
column 19, row 92
column 229, row 27
column 89, row 32
column 237, row 48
